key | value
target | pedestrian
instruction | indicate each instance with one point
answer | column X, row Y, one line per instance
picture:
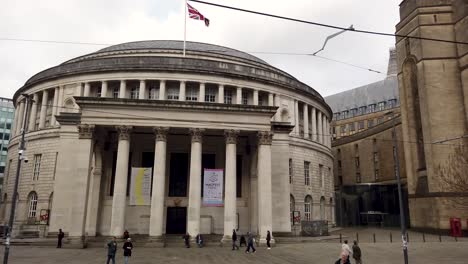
column 199, row 240
column 346, row 249
column 357, row 253
column 250, row 243
column 242, row 241
column 111, row 250
column 234, row 240
column 127, row 247
column 60, row 236
column 186, row 238
column 343, row 259
column 268, row 238
column 126, row 235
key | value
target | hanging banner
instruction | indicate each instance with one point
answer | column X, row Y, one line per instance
column 140, row 186
column 213, row 187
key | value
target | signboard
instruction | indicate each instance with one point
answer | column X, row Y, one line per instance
column 140, row 186
column 44, row 217
column 213, row 187
column 296, row 217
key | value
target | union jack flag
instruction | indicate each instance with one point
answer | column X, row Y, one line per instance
column 194, row 14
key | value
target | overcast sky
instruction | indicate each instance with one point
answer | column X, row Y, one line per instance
column 117, row 21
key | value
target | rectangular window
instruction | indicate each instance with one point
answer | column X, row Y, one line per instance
column 352, row 127
column 370, row 123
column 245, row 98
column 343, row 129
column 99, row 92
column 353, row 112
column 361, row 124
column 306, row 173
column 362, row 110
column 134, row 93
column 357, row 163
column 371, row 108
column 381, row 106
column 115, row 93
column 210, row 94
column 153, row 93
column 376, row 174
column 228, row 97
column 345, row 114
column 321, row 176
column 336, row 116
column 191, row 94
column 307, row 210
column 37, row 166
column 380, row 120
column 173, row 93
column 290, row 171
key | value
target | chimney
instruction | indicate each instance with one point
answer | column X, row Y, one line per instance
column 392, row 63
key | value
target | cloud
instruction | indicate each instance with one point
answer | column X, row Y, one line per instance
column 120, row 21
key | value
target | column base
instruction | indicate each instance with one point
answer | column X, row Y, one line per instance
column 76, row 242
column 226, row 241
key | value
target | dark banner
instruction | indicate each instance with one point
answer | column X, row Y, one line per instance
column 314, row 228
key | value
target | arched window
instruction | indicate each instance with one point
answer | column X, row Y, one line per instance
column 308, row 208
column 292, row 206
column 322, row 208
column 32, row 205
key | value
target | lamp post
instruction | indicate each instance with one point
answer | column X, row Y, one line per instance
column 400, row 194
column 21, row 157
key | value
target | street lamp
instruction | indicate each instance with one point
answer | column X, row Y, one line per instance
column 400, row 195
column 21, row 157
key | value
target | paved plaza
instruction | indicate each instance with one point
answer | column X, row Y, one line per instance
column 419, row 253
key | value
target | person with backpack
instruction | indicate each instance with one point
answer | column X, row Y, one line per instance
column 250, row 243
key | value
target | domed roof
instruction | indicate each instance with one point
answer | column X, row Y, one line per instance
column 179, row 45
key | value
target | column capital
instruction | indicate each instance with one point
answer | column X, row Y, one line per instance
column 85, row 131
column 264, row 137
column 197, row 134
column 160, row 133
column 124, row 132
column 231, row 136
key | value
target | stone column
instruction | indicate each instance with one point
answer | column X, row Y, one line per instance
column 159, row 182
column 119, row 201
column 265, row 139
column 94, row 195
column 104, row 89
column 253, row 198
column 13, row 125
column 221, row 94
column 278, row 104
column 53, row 121
column 296, row 118
column 193, row 222
column 314, row 125
column 202, row 93
column 239, row 95
column 230, row 197
column 306, row 121
column 19, row 124
column 42, row 118
column 123, row 89
column 255, row 97
column 60, row 100
column 182, row 91
column 162, row 90
column 324, row 129
column 32, row 117
column 87, row 89
column 319, row 127
column 270, row 99
column 142, row 93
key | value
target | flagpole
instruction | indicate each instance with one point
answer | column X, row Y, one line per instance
column 185, row 24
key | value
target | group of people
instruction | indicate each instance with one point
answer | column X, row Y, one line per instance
column 112, row 248
column 346, row 252
column 249, row 242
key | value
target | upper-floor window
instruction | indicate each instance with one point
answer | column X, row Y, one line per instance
column 191, row 94
column 306, row 173
column 245, row 98
column 153, row 93
column 308, row 208
column 370, row 123
column 99, row 92
column 343, row 129
column 32, row 205
column 290, row 171
column 345, row 114
column 371, row 108
column 210, row 95
column 134, row 93
column 228, row 96
column 381, row 106
column 352, row 127
column 336, row 116
column 391, row 103
column 321, row 176
column 362, row 110
column 172, row 93
column 37, row 166
column 361, row 124
column 115, row 92
column 353, row 112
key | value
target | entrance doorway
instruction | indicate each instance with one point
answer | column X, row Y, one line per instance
column 176, row 222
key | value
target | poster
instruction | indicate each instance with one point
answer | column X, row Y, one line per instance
column 213, row 187
column 140, row 186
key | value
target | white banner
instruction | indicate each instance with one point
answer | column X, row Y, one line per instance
column 213, row 187
column 140, row 186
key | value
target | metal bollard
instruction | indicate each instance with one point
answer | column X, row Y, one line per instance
column 341, row 241
column 424, row 238
column 440, row 237
column 391, row 238
column 374, row 237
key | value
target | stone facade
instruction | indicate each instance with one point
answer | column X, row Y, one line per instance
column 433, row 81
column 98, row 115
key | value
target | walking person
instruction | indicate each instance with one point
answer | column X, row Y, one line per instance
column 250, row 243
column 268, row 238
column 343, row 259
column 111, row 250
column 346, row 249
column 127, row 247
column 60, row 236
column 234, row 240
column 186, row 238
column 199, row 240
column 357, row 253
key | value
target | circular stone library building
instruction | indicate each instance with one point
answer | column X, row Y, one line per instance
column 139, row 137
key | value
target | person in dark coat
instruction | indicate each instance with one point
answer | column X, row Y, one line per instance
column 111, row 250
column 199, row 240
column 250, row 243
column 127, row 247
column 234, row 240
column 343, row 259
column 186, row 238
column 126, row 235
column 357, row 253
column 268, row 238
column 60, row 236
column 242, row 241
